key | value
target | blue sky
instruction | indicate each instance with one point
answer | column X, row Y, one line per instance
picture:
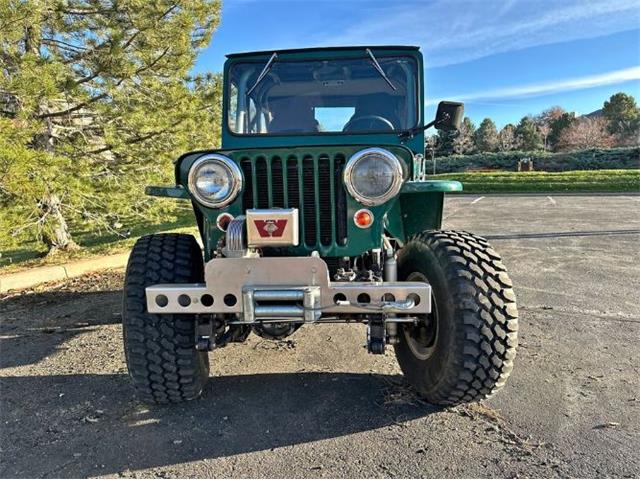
column 504, row 59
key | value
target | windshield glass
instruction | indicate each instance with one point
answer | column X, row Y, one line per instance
column 307, row 97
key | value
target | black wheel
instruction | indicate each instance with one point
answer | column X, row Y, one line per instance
column 160, row 349
column 464, row 350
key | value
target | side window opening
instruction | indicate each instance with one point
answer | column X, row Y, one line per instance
column 233, row 107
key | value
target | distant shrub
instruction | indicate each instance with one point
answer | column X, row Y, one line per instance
column 595, row 159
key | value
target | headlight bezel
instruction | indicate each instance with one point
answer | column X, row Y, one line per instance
column 229, row 165
column 396, row 184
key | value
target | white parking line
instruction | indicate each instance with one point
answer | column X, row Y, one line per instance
column 477, row 200
column 552, row 200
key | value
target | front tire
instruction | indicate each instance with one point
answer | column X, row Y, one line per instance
column 464, row 350
column 160, row 352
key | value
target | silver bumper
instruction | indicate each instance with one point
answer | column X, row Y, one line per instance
column 285, row 288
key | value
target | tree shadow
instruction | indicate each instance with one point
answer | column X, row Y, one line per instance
column 82, row 425
column 34, row 325
column 87, row 425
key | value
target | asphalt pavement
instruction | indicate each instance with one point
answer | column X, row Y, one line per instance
column 317, row 405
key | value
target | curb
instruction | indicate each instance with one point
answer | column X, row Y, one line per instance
column 38, row 275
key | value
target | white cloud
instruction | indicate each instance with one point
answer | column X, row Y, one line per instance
column 456, row 31
column 556, row 86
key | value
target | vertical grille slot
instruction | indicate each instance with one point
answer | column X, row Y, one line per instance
column 325, row 208
column 262, row 181
column 340, row 197
column 312, row 184
column 309, row 202
column 247, row 194
column 277, row 183
column 292, row 184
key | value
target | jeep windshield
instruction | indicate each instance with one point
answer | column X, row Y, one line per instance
column 284, row 97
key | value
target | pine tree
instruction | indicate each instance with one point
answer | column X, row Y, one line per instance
column 486, row 137
column 444, row 142
column 558, row 125
column 528, row 135
column 623, row 118
column 95, row 100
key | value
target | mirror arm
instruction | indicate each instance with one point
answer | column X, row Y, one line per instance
column 428, row 125
column 412, row 132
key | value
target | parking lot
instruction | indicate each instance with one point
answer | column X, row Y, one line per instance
column 317, row 405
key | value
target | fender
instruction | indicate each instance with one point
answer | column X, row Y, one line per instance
column 419, row 207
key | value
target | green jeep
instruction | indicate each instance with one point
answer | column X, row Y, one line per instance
column 318, row 209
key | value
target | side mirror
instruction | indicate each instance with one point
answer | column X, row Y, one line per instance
column 449, row 116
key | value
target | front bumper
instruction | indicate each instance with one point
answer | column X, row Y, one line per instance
column 295, row 289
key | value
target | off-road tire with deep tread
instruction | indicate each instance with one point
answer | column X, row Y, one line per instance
column 477, row 318
column 160, row 350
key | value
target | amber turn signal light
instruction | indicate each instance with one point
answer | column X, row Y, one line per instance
column 363, row 218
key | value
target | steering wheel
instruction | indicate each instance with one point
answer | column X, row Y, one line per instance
column 368, row 122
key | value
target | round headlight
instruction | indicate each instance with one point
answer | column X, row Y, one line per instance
column 373, row 176
column 215, row 180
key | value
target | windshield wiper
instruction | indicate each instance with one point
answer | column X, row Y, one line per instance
column 264, row 72
column 379, row 68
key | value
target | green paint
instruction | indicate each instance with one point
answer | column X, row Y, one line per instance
column 421, row 212
column 431, row 186
column 358, row 240
column 416, row 144
column 170, row 192
column 418, row 207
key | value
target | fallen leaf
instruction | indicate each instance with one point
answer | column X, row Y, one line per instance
column 607, row 425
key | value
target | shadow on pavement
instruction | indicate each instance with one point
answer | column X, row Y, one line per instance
column 34, row 325
column 81, row 425
column 87, row 425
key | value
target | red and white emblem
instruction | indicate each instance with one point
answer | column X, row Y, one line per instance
column 271, row 227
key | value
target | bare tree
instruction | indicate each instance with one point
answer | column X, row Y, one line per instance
column 464, row 143
column 586, row 133
column 551, row 114
column 507, row 140
column 431, row 146
column 544, row 129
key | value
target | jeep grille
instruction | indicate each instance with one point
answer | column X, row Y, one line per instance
column 312, row 184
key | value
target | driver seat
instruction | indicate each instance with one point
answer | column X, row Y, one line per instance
column 292, row 115
column 379, row 104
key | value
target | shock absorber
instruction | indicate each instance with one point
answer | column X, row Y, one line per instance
column 391, row 275
column 390, row 266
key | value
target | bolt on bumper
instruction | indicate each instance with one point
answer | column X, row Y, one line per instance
column 295, row 289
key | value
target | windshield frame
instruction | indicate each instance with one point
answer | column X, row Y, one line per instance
column 361, row 55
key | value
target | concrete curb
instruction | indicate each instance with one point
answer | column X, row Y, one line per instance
column 35, row 276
